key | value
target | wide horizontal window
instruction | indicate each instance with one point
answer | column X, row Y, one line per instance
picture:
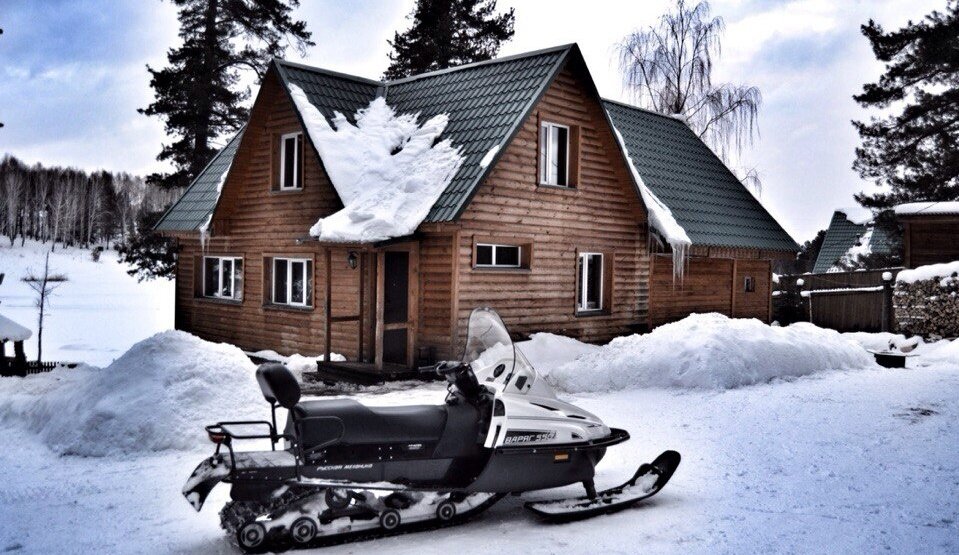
column 498, row 256
column 223, row 277
column 293, row 281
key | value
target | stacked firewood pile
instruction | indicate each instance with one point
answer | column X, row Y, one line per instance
column 928, row 307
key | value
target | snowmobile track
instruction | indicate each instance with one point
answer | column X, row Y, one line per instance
column 231, row 515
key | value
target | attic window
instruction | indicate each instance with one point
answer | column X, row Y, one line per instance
column 749, row 284
column 291, row 161
column 554, row 154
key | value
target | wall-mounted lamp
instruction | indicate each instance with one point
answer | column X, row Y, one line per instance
column 351, row 260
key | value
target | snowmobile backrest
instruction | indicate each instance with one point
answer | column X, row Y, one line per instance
column 278, row 384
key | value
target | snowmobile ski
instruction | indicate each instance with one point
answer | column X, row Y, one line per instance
column 649, row 479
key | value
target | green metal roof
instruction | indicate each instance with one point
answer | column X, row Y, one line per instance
column 196, row 204
column 842, row 235
column 486, row 103
column 706, row 199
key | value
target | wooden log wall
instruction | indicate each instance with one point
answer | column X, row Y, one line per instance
column 255, row 221
column 601, row 213
column 930, row 240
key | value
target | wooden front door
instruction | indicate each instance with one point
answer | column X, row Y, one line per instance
column 397, row 310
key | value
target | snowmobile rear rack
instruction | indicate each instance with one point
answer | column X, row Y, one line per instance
column 220, row 434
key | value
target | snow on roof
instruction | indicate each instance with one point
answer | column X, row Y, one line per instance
column 930, row 271
column 12, row 331
column 861, row 249
column 488, row 157
column 386, row 169
column 913, row 208
column 660, row 216
column 857, row 214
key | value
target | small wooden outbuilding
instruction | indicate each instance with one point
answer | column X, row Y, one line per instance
column 929, row 234
column 12, row 332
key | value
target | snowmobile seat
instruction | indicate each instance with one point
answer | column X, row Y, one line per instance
column 278, row 385
column 369, row 425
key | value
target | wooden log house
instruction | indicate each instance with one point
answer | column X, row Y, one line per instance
column 543, row 221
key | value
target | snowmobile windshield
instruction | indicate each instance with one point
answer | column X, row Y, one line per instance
column 488, row 343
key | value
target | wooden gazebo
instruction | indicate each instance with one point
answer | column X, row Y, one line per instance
column 12, row 332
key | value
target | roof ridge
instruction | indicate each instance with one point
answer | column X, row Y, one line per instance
column 491, row 61
column 330, row 72
column 641, row 109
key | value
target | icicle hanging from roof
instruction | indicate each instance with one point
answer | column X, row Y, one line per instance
column 660, row 216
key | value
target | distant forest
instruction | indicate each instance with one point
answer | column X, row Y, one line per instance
column 71, row 207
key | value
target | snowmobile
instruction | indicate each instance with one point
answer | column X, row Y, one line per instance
column 348, row 471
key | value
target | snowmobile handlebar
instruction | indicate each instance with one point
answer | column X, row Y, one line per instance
column 459, row 374
column 443, row 367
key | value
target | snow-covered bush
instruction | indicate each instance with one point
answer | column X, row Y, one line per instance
column 155, row 397
column 708, row 351
column 927, row 300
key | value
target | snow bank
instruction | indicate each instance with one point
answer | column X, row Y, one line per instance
column 155, row 397
column 930, row 271
column 546, row 350
column 386, row 169
column 660, row 216
column 943, row 351
column 297, row 363
column 945, row 207
column 709, row 351
column 12, row 331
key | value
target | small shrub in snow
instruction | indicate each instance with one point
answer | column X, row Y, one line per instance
column 155, row 397
column 709, row 351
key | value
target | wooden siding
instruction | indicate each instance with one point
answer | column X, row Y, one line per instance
column 930, row 240
column 602, row 213
column 756, row 303
column 256, row 222
column 436, row 295
column 709, row 285
column 705, row 287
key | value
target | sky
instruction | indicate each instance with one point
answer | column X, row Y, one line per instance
column 73, row 73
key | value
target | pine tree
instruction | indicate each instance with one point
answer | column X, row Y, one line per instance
column 447, row 33
column 914, row 152
column 197, row 94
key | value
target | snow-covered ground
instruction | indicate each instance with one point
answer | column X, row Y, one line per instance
column 863, row 459
column 95, row 316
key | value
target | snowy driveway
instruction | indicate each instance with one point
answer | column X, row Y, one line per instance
column 862, row 461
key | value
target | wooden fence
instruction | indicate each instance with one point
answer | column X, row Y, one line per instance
column 34, row 367
column 844, row 301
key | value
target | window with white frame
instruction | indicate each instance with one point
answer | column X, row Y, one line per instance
column 293, row 281
column 223, row 277
column 554, row 154
column 590, row 282
column 291, row 159
column 490, row 255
